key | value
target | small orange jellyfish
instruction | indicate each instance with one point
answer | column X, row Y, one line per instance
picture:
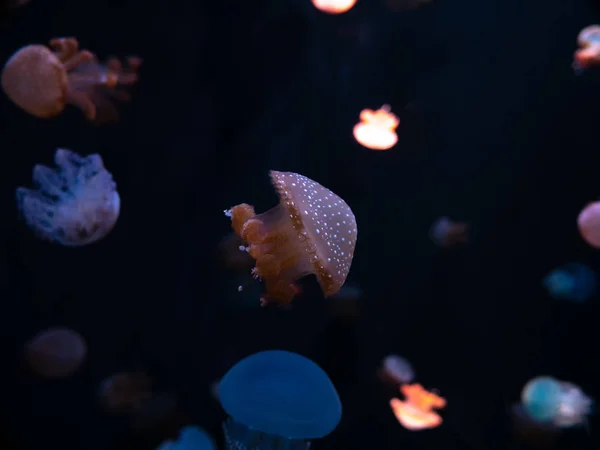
column 312, row 230
column 334, row 6
column 125, row 391
column 42, row 81
column 56, row 352
column 377, row 129
column 417, row 411
column 589, row 224
column 589, row 52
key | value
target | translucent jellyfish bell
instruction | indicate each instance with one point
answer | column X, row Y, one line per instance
column 277, row 400
column 573, row 281
column 73, row 205
column 190, row 438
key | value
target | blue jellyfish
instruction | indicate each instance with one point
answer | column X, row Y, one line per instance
column 277, row 400
column 574, row 281
column 550, row 401
column 190, row 438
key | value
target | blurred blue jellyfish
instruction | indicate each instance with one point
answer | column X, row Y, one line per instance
column 553, row 402
column 73, row 205
column 574, row 281
column 277, row 400
column 190, row 438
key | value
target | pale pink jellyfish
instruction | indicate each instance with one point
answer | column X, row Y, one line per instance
column 447, row 233
column 396, row 370
column 56, row 352
column 73, row 205
column 589, row 224
column 334, row 6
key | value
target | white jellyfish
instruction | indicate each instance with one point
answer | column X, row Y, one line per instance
column 73, row 205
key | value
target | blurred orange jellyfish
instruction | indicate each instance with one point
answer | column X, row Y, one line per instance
column 377, row 129
column 42, row 81
column 588, row 54
column 334, row 6
column 417, row 411
column 56, row 352
column 589, row 224
column 125, row 391
column 311, row 231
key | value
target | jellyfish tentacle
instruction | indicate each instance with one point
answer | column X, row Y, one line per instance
column 83, row 102
column 78, row 59
column 64, row 48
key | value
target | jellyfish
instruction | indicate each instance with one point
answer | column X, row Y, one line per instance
column 42, row 81
column 396, row 370
column 74, row 205
column 589, row 224
column 377, row 129
column 446, row 233
column 588, row 54
column 334, row 6
column 125, row 391
column 312, row 230
column 190, row 438
column 56, row 352
column 574, row 281
column 417, row 412
column 277, row 399
column 557, row 403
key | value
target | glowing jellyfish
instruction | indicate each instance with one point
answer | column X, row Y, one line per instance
column 589, row 224
column 417, row 411
column 574, row 281
column 190, row 438
column 312, row 230
column 334, row 6
column 75, row 204
column 56, row 352
column 558, row 403
column 397, row 370
column 446, row 233
column 125, row 391
column 377, row 129
column 588, row 54
column 275, row 400
column 42, row 81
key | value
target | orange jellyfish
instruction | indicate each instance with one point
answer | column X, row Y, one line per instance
column 312, row 230
column 589, row 224
column 588, row 54
column 377, row 129
column 334, row 6
column 56, row 352
column 125, row 391
column 417, row 411
column 42, row 81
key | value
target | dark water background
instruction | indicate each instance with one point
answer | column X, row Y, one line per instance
column 496, row 130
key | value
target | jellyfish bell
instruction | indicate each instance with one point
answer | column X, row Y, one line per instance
column 588, row 54
column 277, row 399
column 377, row 129
column 190, row 438
column 334, row 6
column 397, row 370
column 574, row 281
column 311, row 231
column 56, row 352
column 417, row 411
column 74, row 205
column 588, row 222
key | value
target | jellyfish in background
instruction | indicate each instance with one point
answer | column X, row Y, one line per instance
column 588, row 54
column 574, row 281
column 73, row 205
column 552, row 402
column 190, row 438
column 125, row 391
column 312, row 230
column 589, row 224
column 334, row 6
column 56, row 352
column 446, row 233
column 417, row 411
column 396, row 370
column 41, row 81
column 277, row 400
column 377, row 129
